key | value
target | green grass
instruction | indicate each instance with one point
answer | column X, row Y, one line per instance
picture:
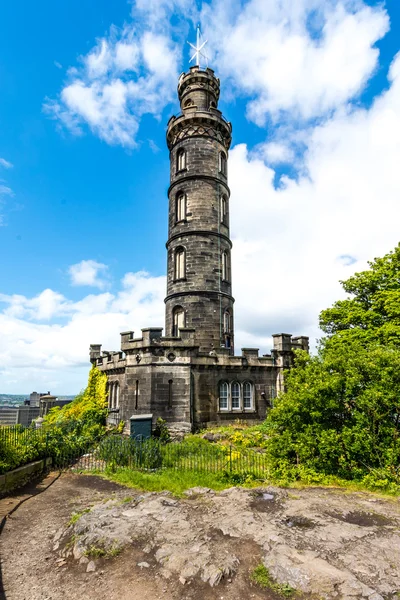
column 169, row 479
column 263, row 579
column 77, row 515
column 100, row 552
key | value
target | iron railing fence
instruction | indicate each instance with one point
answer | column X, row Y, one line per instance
column 113, row 451
column 151, row 455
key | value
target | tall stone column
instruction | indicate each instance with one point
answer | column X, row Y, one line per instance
column 199, row 284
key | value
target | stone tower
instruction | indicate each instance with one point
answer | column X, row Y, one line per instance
column 199, row 283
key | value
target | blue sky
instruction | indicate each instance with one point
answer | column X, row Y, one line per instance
column 83, row 203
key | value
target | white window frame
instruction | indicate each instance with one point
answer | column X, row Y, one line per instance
column 229, row 400
column 251, row 388
column 226, row 386
column 236, row 385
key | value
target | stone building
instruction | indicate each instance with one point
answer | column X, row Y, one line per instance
column 191, row 376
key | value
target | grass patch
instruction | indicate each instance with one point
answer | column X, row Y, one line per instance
column 100, row 552
column 77, row 515
column 261, row 576
column 169, row 479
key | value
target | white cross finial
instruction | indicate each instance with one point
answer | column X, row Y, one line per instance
column 198, row 49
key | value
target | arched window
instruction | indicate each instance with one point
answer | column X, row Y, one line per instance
column 235, row 394
column 178, row 320
column 226, row 267
column 111, row 396
column 181, row 160
column 116, row 395
column 189, row 102
column 247, row 395
column 180, row 209
column 227, row 321
column 222, row 163
column 108, row 389
column 223, row 395
column 180, row 263
column 224, row 209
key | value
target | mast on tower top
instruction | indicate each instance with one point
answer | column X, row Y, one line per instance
column 199, row 49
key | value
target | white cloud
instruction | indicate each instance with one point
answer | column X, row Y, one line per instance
column 55, row 355
column 5, row 163
column 88, row 272
column 292, row 245
column 299, row 59
column 131, row 72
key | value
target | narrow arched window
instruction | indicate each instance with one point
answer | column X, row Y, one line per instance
column 108, row 389
column 227, row 322
column 111, row 396
column 170, row 382
column 180, row 263
column 224, row 209
column 223, row 395
column 226, row 275
column 116, row 397
column 222, row 163
column 235, row 394
column 180, row 210
column 247, row 395
column 178, row 320
column 181, row 160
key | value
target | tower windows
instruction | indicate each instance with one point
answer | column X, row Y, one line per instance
column 181, row 160
column 236, row 396
column 226, row 266
column 180, row 208
column 224, row 209
column 180, row 267
column 227, row 321
column 222, row 163
column 178, row 320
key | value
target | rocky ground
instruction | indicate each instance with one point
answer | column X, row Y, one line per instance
column 124, row 544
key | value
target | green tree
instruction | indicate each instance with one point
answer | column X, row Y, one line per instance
column 372, row 311
column 340, row 414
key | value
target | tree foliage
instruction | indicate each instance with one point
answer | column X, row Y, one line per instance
column 340, row 414
column 88, row 409
column 372, row 311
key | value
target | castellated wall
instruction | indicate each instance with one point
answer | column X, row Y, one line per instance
column 170, row 378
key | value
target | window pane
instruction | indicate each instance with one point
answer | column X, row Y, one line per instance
column 247, row 395
column 180, row 264
column 235, row 396
column 223, row 396
column 227, row 322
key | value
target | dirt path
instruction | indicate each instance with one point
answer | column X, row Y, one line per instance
column 31, row 570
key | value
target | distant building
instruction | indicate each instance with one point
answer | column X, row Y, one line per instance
column 8, row 415
column 26, row 414
column 34, row 398
column 47, row 402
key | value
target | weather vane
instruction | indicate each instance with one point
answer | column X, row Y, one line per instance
column 198, row 49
